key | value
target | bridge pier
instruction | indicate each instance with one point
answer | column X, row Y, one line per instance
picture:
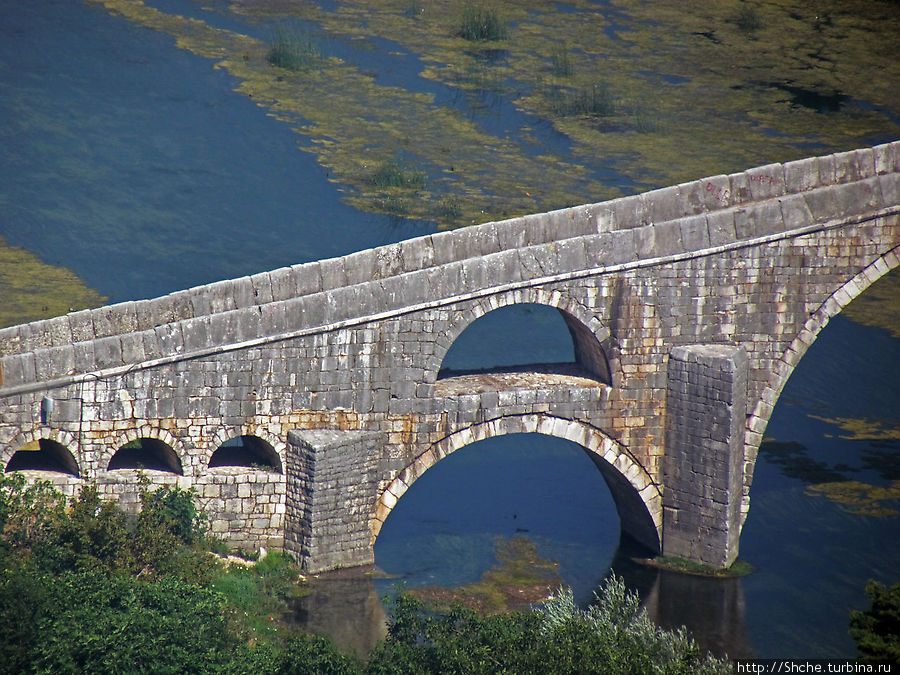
column 332, row 477
column 706, row 407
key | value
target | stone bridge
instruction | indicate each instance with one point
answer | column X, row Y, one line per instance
column 301, row 403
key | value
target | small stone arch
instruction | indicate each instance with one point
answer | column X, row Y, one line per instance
column 637, row 497
column 225, row 434
column 784, row 366
column 61, row 439
column 255, row 453
column 25, row 437
column 164, row 447
column 594, row 345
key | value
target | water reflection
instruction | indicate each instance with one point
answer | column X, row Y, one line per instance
column 712, row 610
column 344, row 606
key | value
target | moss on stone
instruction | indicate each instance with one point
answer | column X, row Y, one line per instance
column 738, row 568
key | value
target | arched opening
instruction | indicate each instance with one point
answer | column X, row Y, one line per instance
column 825, row 497
column 523, row 338
column 44, row 454
column 250, row 452
column 446, row 528
column 151, row 454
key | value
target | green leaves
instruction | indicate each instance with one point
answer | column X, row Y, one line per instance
column 877, row 630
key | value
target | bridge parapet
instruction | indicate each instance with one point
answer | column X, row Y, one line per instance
column 681, row 221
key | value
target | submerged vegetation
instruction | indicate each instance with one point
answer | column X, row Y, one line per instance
column 86, row 588
column 294, row 50
column 32, row 290
column 626, row 91
column 520, row 578
column 480, row 23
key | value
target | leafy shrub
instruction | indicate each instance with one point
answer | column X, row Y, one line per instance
column 612, row 636
column 27, row 512
column 479, row 23
column 876, row 631
column 90, row 535
column 95, row 623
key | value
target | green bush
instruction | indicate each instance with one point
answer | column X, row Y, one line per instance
column 479, row 23
column 876, row 631
column 612, row 636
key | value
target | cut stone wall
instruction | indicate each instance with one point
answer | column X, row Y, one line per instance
column 332, row 487
column 706, row 403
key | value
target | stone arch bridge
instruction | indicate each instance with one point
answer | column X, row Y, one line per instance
column 301, row 403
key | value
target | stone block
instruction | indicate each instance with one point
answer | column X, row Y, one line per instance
column 720, row 225
column 801, row 175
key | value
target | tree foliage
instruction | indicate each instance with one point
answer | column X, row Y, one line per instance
column 612, row 636
column 85, row 588
column 877, row 630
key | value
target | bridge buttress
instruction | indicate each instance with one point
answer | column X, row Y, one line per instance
column 706, row 404
column 332, row 481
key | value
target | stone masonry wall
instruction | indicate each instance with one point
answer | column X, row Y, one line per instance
column 356, row 343
column 706, row 405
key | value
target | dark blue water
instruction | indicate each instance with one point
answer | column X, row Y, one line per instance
column 136, row 165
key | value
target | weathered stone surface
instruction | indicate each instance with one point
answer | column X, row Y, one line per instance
column 349, row 352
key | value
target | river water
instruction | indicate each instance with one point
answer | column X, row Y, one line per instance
column 137, row 166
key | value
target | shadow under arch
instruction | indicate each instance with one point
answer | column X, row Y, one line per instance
column 146, row 453
column 637, row 498
column 593, row 347
column 246, row 451
column 44, row 454
column 784, row 366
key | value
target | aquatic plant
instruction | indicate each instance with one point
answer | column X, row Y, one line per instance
column 480, row 23
column 562, row 65
column 448, row 208
column 747, row 19
column 647, row 120
column 293, row 50
column 395, row 174
column 594, row 100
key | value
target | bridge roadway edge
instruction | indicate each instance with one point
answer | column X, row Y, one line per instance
column 614, row 261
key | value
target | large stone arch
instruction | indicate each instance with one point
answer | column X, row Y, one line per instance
column 23, row 438
column 784, row 366
column 593, row 342
column 637, row 497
